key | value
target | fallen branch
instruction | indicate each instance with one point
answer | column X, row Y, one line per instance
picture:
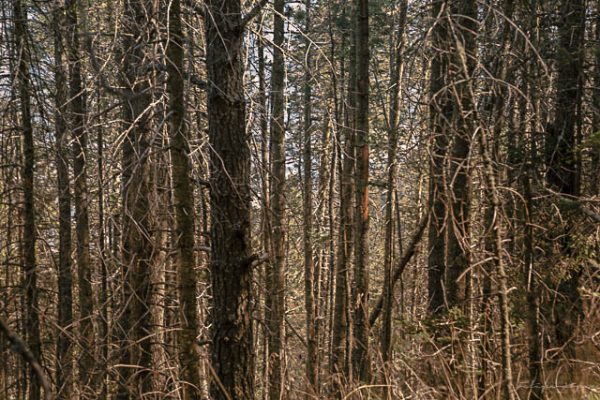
column 401, row 266
column 21, row 348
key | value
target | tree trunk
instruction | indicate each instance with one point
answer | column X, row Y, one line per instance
column 137, row 241
column 64, row 351
column 360, row 352
column 309, row 266
column 276, row 274
column 77, row 125
column 183, row 197
column 594, row 176
column 393, row 120
column 342, row 316
column 32, row 323
column 440, row 112
column 561, row 156
column 231, row 260
column 463, row 48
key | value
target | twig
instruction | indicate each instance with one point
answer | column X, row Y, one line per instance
column 21, row 347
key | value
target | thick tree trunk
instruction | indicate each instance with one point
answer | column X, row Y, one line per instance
column 64, row 350
column 440, row 113
column 231, row 258
column 183, row 196
column 32, row 323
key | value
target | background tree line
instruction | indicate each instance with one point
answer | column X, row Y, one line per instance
column 299, row 199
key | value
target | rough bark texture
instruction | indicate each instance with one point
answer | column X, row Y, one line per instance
column 360, row 352
column 275, row 274
column 232, row 350
column 183, row 196
column 32, row 323
column 440, row 113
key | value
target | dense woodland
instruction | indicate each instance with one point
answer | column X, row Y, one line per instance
column 308, row 199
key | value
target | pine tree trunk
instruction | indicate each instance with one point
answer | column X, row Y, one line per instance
column 561, row 156
column 64, row 351
column 77, row 125
column 183, row 196
column 360, row 353
column 276, row 274
column 309, row 266
column 393, row 120
column 231, row 258
column 32, row 320
column 137, row 241
column 440, row 112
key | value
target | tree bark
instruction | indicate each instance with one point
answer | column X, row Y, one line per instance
column 231, row 262
column 64, row 350
column 32, row 323
column 183, row 197
column 393, row 120
column 309, row 266
column 77, row 125
column 360, row 352
column 137, row 240
column 275, row 274
column 561, row 156
column 440, row 113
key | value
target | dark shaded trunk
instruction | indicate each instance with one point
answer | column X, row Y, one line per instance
column 64, row 350
column 440, row 113
column 463, row 49
column 231, row 261
column 309, row 266
column 360, row 351
column 183, row 197
column 275, row 301
column 77, row 126
column 137, row 241
column 561, row 156
column 32, row 320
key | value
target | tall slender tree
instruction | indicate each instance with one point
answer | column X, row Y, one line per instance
column 360, row 353
column 78, row 127
column 137, row 244
column 64, row 366
column 307, row 203
column 32, row 323
column 276, row 273
column 561, row 155
column 183, row 195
